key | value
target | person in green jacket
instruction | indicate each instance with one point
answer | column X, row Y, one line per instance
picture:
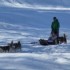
column 55, row 26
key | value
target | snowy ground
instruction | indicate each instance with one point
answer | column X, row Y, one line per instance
column 28, row 21
column 33, row 56
column 33, row 61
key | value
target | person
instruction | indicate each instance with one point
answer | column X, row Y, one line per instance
column 52, row 39
column 55, row 26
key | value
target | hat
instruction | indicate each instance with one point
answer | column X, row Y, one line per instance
column 54, row 18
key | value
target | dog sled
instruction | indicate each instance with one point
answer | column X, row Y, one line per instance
column 59, row 40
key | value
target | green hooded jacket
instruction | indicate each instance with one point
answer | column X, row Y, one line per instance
column 55, row 25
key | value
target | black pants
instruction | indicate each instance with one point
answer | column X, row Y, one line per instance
column 56, row 32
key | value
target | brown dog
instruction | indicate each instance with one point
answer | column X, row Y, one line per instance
column 62, row 39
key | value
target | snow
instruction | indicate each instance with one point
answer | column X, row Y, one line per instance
column 35, row 5
column 33, row 56
column 32, row 61
column 28, row 21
